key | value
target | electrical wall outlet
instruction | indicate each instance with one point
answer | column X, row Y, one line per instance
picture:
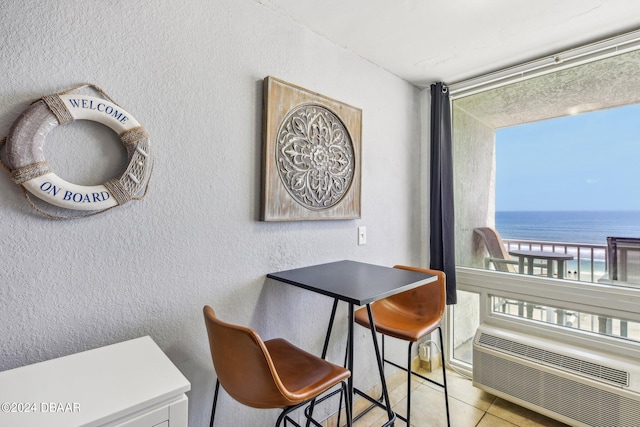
column 424, row 356
column 424, row 351
column 362, row 235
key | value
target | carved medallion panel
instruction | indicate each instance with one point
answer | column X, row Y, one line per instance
column 311, row 158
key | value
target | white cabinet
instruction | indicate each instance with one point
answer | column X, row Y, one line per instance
column 129, row 384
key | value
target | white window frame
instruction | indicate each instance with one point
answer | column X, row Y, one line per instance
column 599, row 299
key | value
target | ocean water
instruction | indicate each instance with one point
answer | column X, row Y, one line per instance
column 568, row 226
column 591, row 227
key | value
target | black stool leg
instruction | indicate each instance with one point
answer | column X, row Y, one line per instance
column 444, row 376
column 215, row 399
column 409, row 370
column 347, row 406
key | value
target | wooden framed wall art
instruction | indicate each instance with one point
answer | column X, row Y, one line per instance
column 311, row 155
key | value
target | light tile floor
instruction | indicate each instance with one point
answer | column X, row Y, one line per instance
column 468, row 406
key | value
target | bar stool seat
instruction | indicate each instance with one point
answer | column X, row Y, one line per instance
column 411, row 316
column 394, row 322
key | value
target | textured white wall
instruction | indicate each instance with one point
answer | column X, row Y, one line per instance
column 191, row 72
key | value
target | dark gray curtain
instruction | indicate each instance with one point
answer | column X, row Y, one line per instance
column 442, row 218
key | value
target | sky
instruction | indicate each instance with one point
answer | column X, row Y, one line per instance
column 589, row 161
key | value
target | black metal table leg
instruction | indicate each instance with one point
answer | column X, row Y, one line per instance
column 325, row 349
column 383, row 381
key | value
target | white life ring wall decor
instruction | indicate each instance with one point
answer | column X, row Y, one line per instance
column 28, row 167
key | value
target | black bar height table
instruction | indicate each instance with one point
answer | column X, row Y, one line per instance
column 355, row 283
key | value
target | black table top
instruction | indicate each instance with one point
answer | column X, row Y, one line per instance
column 351, row 281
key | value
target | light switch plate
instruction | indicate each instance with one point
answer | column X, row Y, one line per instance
column 362, row 235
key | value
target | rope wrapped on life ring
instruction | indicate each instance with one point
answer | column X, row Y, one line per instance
column 28, row 167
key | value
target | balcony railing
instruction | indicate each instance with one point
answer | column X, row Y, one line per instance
column 589, row 262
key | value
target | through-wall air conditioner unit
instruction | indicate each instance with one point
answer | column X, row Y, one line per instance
column 575, row 385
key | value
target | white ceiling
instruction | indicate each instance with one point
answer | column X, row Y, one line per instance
column 424, row 41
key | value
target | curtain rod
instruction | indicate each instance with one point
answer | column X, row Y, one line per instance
column 570, row 58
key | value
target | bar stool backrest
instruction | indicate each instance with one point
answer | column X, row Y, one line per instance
column 429, row 299
column 243, row 365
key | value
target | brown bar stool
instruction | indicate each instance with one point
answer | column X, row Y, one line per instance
column 269, row 374
column 410, row 316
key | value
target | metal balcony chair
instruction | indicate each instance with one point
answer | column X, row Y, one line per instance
column 269, row 374
column 501, row 260
column 410, row 316
column 498, row 255
column 623, row 257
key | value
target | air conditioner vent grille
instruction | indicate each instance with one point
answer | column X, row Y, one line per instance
column 592, row 370
column 584, row 403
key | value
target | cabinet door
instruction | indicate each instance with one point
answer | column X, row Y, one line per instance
column 164, row 424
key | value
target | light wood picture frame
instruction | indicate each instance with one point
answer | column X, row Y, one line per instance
column 311, row 155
